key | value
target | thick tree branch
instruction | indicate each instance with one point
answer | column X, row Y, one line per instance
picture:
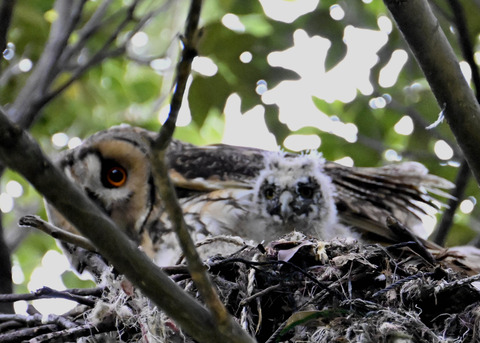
column 440, row 66
column 19, row 151
column 463, row 175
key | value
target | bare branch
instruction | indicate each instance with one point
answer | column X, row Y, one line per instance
column 106, row 51
column 440, row 66
column 465, row 41
column 92, row 26
column 461, row 182
column 47, row 293
column 56, row 232
column 223, row 321
column 26, row 104
column 183, row 71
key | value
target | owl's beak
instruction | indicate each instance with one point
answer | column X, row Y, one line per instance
column 285, row 201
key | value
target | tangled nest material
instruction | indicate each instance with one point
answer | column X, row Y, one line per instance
column 296, row 289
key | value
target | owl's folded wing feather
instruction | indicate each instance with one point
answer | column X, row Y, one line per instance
column 213, row 167
column 367, row 196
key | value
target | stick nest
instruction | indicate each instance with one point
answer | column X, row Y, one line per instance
column 297, row 289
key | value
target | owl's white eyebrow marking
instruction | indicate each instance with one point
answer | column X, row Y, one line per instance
column 144, row 149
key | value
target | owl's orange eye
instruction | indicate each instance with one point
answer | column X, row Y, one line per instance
column 116, row 176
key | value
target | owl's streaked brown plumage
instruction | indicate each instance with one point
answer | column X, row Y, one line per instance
column 246, row 192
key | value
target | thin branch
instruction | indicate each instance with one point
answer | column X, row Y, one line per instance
column 26, row 105
column 465, row 42
column 223, row 320
column 97, row 59
column 440, row 66
column 47, row 293
column 461, row 182
column 183, row 71
column 105, row 51
column 88, row 30
column 19, row 151
column 56, row 232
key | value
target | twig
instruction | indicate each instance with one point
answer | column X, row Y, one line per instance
column 463, row 174
column 405, row 235
column 280, row 262
column 101, row 54
column 80, row 296
column 184, row 67
column 90, row 27
column 76, row 332
column 259, row 294
column 29, row 100
column 461, row 182
column 465, row 42
column 56, row 232
column 21, row 335
column 402, row 282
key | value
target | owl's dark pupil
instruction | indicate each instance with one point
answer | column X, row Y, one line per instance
column 305, row 191
column 269, row 193
column 116, row 175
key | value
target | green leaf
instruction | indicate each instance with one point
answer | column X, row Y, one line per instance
column 71, row 280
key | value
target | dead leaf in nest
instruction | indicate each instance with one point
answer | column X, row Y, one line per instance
column 287, row 254
column 127, row 287
column 342, row 260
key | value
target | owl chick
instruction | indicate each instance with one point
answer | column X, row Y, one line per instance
column 294, row 193
column 289, row 193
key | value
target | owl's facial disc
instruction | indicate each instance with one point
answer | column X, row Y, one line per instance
column 291, row 202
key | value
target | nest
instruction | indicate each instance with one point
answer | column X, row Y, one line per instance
column 297, row 289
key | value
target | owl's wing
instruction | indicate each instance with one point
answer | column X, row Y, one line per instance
column 213, row 167
column 367, row 196
column 364, row 197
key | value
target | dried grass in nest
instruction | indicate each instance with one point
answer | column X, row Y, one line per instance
column 299, row 289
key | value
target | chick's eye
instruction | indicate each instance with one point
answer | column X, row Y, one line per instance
column 269, row 193
column 116, row 176
column 305, row 191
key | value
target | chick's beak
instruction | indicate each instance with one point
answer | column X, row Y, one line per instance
column 285, row 200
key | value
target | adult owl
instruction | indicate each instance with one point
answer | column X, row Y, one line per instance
column 229, row 190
